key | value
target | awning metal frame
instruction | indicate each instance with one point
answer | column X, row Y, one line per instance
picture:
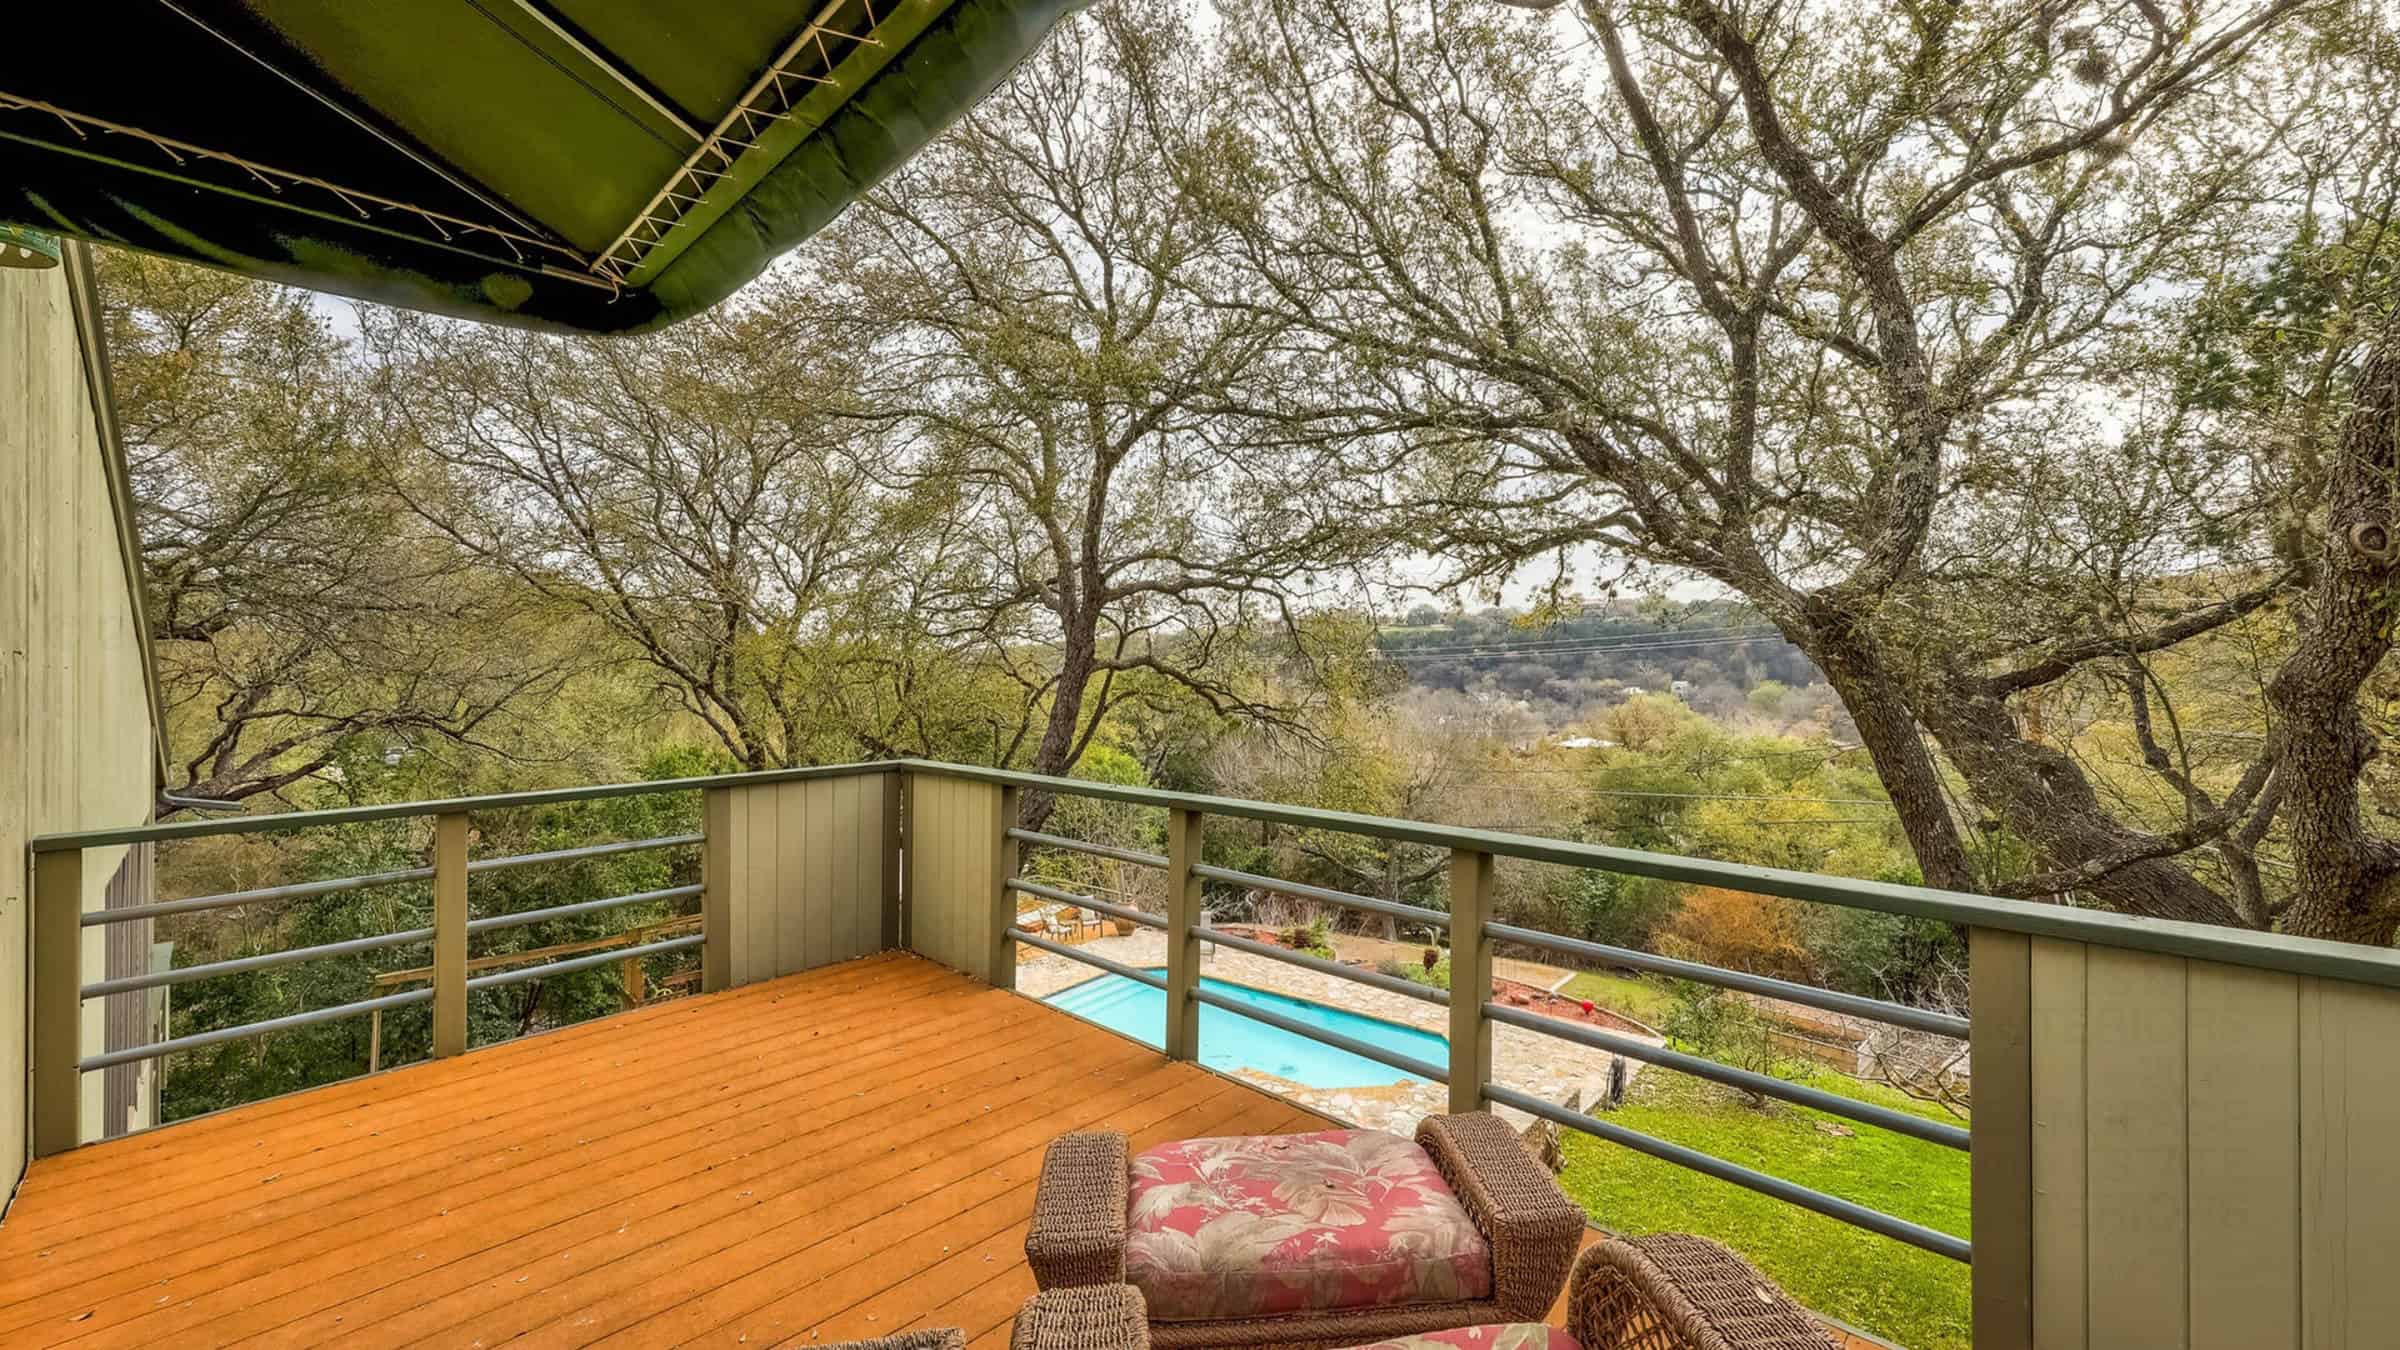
column 448, row 227
column 768, row 100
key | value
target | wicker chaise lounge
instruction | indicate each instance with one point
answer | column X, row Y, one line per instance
column 1669, row 1291
column 1306, row 1242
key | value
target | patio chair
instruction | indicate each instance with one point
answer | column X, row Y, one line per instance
column 1297, row 1232
column 1669, row 1291
column 945, row 1339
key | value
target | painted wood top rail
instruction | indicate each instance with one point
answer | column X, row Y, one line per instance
column 2265, row 951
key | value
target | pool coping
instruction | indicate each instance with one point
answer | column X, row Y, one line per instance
column 1098, row 975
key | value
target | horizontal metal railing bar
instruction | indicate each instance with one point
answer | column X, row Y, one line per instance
column 1332, row 897
column 2354, row 962
column 587, row 851
column 1831, row 1206
column 200, row 1039
column 583, row 962
column 1423, row 993
column 1128, row 855
column 2266, row 951
column 1884, row 1117
column 525, row 916
column 286, row 821
column 1852, row 1005
column 1133, row 973
column 95, row 918
column 303, row 890
column 186, row 974
column 1439, row 1073
column 1125, row 912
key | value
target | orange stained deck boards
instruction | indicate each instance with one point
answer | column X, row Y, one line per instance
column 838, row 1154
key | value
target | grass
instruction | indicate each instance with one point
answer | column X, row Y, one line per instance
column 1645, row 1001
column 1911, row 1297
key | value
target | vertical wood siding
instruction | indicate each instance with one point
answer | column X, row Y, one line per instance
column 76, row 747
column 803, row 874
column 954, row 842
column 2212, row 1161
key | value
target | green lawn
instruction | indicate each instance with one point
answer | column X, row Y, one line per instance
column 1904, row 1295
column 1643, row 1000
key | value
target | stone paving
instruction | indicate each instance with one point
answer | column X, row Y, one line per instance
column 1528, row 1061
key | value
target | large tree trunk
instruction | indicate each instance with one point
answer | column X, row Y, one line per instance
column 2044, row 796
column 1854, row 666
column 2344, row 884
column 1055, row 753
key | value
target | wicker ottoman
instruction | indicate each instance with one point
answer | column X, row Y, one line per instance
column 1670, row 1291
column 1517, row 1237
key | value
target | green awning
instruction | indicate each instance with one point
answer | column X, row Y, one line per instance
column 601, row 165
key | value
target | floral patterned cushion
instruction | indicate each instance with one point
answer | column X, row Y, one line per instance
column 1513, row 1336
column 1256, row 1225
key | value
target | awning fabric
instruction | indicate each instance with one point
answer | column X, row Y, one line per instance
column 596, row 165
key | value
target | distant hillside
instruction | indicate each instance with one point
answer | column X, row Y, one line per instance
column 1721, row 651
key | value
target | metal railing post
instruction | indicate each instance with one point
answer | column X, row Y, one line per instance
column 716, row 893
column 1001, row 957
column 57, row 1001
column 1184, row 833
column 450, row 933
column 1470, row 978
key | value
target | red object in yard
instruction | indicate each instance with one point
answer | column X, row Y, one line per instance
column 1587, row 1005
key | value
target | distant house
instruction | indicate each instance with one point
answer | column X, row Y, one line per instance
column 1587, row 743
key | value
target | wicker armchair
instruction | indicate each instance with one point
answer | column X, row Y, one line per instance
column 1093, row 1317
column 1665, row 1292
column 1079, row 1232
column 1673, row 1291
column 947, row 1339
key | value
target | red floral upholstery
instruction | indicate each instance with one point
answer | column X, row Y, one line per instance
column 1512, row 1336
column 1254, row 1226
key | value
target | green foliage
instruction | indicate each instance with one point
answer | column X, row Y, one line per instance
column 1910, row 1297
column 1435, row 973
column 1722, row 1026
column 1314, row 939
column 248, row 1070
column 1607, row 907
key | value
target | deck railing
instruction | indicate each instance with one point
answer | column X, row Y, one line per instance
column 2175, row 1125
column 729, row 891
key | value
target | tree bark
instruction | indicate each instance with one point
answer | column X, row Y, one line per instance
column 1855, row 667
column 2345, row 878
column 2044, row 796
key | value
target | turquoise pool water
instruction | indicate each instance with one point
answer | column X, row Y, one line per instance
column 1229, row 1040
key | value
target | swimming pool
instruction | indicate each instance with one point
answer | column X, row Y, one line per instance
column 1229, row 1040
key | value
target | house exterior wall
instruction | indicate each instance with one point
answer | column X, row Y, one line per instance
column 77, row 740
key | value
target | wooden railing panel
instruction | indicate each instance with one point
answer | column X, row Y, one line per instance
column 1999, row 1167
column 2059, row 1194
column 2209, row 1161
column 2138, row 1222
column 954, row 850
column 804, row 874
column 2244, row 1133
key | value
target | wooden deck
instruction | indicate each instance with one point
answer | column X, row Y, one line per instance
column 838, row 1154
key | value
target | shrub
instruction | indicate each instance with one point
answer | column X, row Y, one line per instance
column 1313, row 938
column 1715, row 1024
